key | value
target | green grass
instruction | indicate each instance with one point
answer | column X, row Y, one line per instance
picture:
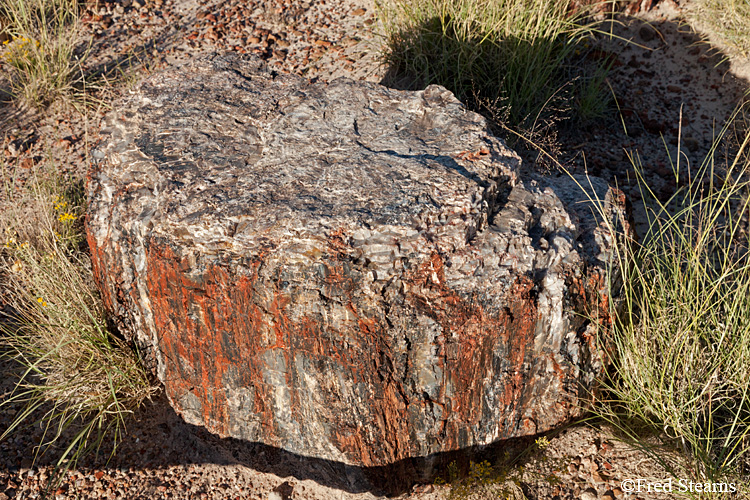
column 682, row 338
column 42, row 36
column 520, row 62
column 76, row 382
column 729, row 19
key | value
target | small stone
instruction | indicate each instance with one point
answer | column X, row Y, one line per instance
column 423, row 489
column 691, row 143
column 589, row 494
column 646, row 33
column 285, row 490
column 663, row 171
column 608, row 495
column 359, row 12
column 596, row 477
column 617, row 492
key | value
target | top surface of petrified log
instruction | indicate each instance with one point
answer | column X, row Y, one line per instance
column 276, row 154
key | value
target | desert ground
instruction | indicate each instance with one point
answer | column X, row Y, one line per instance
column 670, row 80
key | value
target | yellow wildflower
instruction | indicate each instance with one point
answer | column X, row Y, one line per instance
column 66, row 216
column 542, row 442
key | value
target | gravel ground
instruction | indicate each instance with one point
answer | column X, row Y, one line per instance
column 666, row 70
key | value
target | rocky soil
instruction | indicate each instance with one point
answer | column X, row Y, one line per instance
column 667, row 72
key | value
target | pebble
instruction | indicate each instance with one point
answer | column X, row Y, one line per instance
column 596, row 477
column 691, row 143
column 646, row 33
column 589, row 494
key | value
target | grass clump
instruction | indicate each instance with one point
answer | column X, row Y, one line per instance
column 729, row 19
column 77, row 382
column 682, row 338
column 41, row 37
column 522, row 62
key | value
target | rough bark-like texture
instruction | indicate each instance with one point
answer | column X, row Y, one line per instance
column 341, row 270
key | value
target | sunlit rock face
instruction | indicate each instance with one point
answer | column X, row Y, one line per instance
column 342, row 270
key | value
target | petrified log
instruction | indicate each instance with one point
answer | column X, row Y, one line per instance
column 341, row 270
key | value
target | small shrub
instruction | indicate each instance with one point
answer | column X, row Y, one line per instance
column 483, row 481
column 77, row 382
column 41, row 36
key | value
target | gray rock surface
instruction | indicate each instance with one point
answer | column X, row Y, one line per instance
column 341, row 270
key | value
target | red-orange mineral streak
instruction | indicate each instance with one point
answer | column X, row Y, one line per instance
column 204, row 328
column 209, row 326
column 217, row 327
column 469, row 360
column 199, row 353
